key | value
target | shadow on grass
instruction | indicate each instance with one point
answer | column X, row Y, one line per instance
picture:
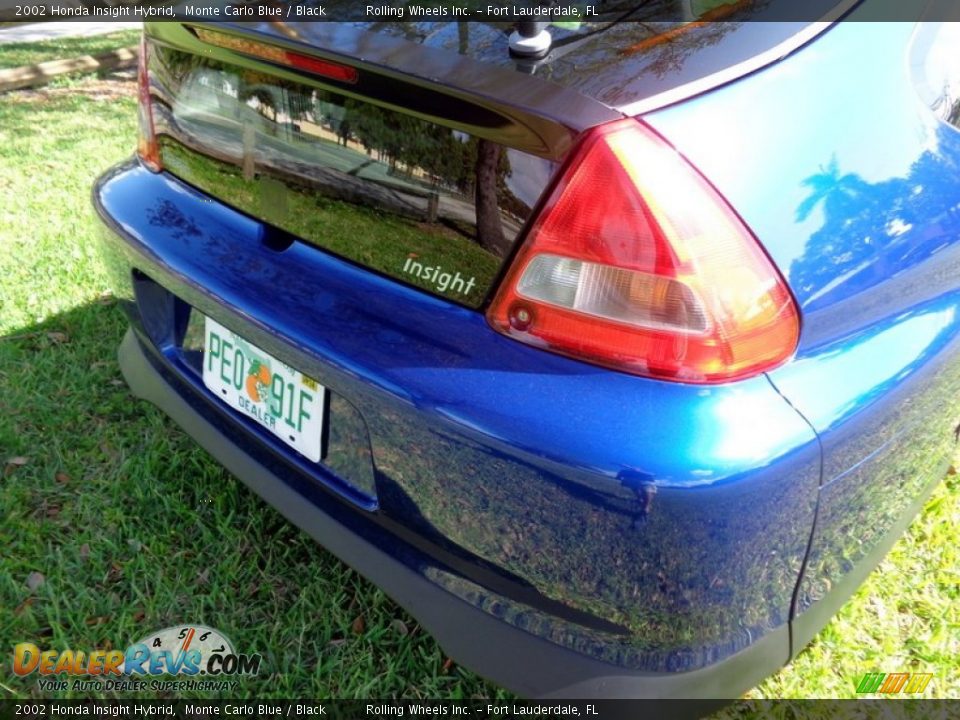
column 118, row 525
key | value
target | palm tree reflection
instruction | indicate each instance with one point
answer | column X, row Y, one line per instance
column 871, row 230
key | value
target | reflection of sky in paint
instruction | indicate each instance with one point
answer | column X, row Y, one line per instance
column 864, row 370
column 890, row 355
column 769, row 116
column 747, row 433
column 678, row 436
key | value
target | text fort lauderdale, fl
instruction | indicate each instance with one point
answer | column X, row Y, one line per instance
column 498, row 11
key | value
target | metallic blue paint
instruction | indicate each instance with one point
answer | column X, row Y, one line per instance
column 639, row 521
column 852, row 183
column 656, row 526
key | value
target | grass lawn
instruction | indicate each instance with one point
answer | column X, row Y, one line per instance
column 30, row 53
column 116, row 524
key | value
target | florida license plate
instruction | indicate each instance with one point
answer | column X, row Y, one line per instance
column 283, row 400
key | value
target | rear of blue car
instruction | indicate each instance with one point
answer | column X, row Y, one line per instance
column 616, row 399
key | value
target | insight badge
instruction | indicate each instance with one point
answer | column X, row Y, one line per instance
column 183, row 650
column 444, row 281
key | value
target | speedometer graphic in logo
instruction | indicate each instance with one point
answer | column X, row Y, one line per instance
column 188, row 650
column 189, row 637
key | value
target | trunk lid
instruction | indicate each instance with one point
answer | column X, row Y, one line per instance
column 632, row 55
column 426, row 178
column 426, row 162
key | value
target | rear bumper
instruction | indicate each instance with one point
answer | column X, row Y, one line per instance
column 559, row 528
column 519, row 660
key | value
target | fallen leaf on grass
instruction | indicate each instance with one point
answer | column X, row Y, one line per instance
column 400, row 626
column 85, row 551
column 24, row 605
column 35, row 580
column 57, row 337
column 447, row 666
column 52, row 510
column 359, row 625
column 61, row 477
column 337, row 642
column 139, row 615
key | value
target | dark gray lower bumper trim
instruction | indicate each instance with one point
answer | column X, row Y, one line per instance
column 524, row 663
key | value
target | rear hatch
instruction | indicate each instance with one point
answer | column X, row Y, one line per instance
column 413, row 178
column 416, row 150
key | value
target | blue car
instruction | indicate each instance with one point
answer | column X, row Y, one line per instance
column 618, row 353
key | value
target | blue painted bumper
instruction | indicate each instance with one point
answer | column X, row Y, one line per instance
column 656, row 527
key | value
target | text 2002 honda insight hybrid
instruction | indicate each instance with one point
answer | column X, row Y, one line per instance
column 618, row 368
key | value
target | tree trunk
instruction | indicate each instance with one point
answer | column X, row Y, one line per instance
column 489, row 230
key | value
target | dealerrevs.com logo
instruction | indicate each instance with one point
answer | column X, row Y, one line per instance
column 183, row 650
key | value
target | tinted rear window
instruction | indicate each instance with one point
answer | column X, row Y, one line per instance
column 425, row 204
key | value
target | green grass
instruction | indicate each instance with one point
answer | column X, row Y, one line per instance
column 904, row 618
column 30, row 53
column 143, row 529
column 134, row 528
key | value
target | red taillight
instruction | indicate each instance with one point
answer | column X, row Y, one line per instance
column 334, row 71
column 279, row 55
column 638, row 264
column 147, row 146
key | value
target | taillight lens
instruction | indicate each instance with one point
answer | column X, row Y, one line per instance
column 638, row 264
column 279, row 55
column 147, row 146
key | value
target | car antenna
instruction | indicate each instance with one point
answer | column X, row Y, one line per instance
column 531, row 39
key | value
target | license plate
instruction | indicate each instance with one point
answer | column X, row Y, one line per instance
column 283, row 400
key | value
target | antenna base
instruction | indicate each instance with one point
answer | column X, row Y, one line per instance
column 530, row 47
